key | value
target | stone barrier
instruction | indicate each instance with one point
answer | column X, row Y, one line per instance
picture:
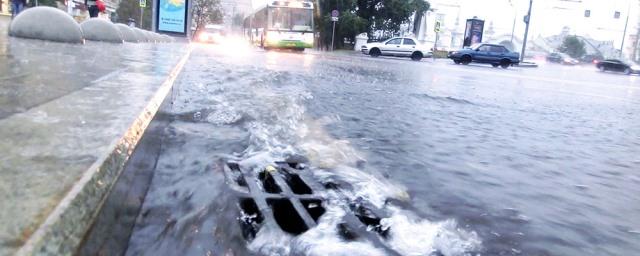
column 127, row 33
column 142, row 37
column 46, row 23
column 101, row 30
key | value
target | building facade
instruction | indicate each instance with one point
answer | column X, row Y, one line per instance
column 598, row 20
column 231, row 8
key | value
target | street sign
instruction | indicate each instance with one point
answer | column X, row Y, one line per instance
column 437, row 27
column 143, row 3
column 334, row 18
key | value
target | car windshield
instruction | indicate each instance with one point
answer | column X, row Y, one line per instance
column 213, row 30
column 475, row 46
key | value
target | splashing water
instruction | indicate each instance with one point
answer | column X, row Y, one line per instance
column 279, row 128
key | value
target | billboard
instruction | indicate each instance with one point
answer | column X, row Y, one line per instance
column 172, row 16
column 473, row 32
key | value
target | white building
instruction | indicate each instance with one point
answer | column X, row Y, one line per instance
column 597, row 19
column 235, row 7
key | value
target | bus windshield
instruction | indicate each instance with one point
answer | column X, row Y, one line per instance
column 292, row 19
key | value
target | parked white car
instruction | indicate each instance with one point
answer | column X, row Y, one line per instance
column 398, row 46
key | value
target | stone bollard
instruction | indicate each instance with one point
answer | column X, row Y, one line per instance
column 142, row 37
column 101, row 30
column 127, row 33
column 150, row 35
column 46, row 23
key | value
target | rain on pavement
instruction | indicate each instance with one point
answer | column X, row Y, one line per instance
column 482, row 161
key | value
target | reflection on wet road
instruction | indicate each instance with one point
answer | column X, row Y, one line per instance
column 486, row 161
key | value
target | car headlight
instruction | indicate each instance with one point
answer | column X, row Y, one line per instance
column 635, row 67
column 272, row 38
column 203, row 36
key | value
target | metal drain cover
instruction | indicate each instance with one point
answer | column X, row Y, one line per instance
column 287, row 196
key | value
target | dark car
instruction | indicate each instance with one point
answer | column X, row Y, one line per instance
column 494, row 54
column 618, row 66
column 561, row 58
column 211, row 34
column 591, row 58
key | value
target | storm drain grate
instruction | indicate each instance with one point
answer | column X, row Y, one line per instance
column 278, row 194
column 286, row 195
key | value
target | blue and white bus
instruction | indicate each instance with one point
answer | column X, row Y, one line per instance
column 281, row 24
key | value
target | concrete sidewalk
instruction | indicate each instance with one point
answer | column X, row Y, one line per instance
column 70, row 116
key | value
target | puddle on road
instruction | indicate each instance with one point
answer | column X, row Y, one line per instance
column 254, row 121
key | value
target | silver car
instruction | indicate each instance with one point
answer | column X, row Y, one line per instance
column 397, row 46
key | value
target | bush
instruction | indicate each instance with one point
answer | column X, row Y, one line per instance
column 573, row 46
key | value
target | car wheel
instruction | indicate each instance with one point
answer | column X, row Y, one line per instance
column 456, row 61
column 495, row 65
column 416, row 56
column 505, row 63
column 627, row 71
column 465, row 60
column 602, row 68
column 375, row 52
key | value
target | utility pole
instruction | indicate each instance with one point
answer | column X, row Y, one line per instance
column 334, row 19
column 333, row 34
column 515, row 15
column 142, row 4
column 527, row 20
column 624, row 34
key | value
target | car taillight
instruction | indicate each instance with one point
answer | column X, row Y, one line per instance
column 595, row 61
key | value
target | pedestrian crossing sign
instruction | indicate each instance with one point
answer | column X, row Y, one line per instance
column 437, row 27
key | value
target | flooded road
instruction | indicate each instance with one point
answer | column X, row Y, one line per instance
column 476, row 160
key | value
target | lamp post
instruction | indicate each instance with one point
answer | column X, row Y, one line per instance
column 527, row 20
column 513, row 28
column 624, row 33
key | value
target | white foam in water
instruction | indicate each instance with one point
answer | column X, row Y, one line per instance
column 324, row 239
column 409, row 235
column 368, row 186
column 271, row 241
column 279, row 127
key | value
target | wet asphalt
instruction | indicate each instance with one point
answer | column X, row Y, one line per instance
column 487, row 161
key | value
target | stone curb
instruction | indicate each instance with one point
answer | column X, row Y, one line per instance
column 63, row 230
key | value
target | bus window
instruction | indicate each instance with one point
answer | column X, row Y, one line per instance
column 291, row 19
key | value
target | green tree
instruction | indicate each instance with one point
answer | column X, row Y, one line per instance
column 206, row 12
column 388, row 15
column 573, row 46
column 421, row 7
column 237, row 20
column 358, row 16
column 130, row 9
column 348, row 26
